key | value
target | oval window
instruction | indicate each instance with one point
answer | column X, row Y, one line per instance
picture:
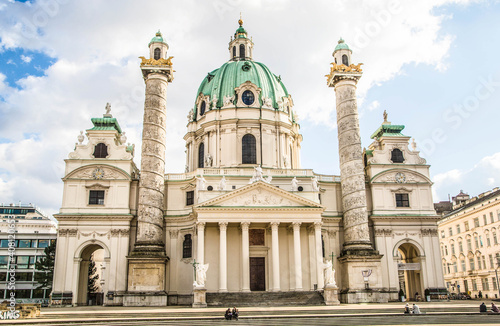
column 247, row 97
column 203, row 106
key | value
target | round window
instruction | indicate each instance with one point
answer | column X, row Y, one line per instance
column 203, row 106
column 247, row 97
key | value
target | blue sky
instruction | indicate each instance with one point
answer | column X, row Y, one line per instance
column 431, row 64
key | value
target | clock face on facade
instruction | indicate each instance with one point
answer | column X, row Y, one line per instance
column 98, row 173
column 400, row 177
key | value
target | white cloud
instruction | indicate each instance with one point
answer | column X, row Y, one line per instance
column 373, row 105
column 480, row 178
column 96, row 52
column 26, row 58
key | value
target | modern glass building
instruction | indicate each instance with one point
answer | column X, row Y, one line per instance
column 25, row 232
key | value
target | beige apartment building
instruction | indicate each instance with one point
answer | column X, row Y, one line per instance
column 469, row 242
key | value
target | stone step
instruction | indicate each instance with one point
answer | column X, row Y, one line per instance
column 255, row 299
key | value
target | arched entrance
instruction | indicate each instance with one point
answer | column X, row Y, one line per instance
column 91, row 279
column 409, row 271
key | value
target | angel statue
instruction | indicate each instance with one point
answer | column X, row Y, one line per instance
column 329, row 273
column 201, row 275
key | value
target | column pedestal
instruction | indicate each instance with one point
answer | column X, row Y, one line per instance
column 331, row 295
column 353, row 283
column 146, row 282
column 199, row 297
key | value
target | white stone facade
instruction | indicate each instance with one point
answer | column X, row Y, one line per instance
column 265, row 226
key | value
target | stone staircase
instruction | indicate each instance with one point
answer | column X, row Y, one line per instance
column 259, row 299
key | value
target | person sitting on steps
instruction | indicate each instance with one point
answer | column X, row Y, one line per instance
column 228, row 314
column 235, row 313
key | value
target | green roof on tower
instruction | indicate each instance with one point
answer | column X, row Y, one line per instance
column 157, row 39
column 240, row 32
column 106, row 123
column 342, row 45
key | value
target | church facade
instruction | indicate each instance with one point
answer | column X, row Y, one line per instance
column 245, row 215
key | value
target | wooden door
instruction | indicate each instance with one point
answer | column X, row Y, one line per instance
column 257, row 274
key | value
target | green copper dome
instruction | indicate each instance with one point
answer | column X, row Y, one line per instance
column 222, row 82
column 157, row 39
column 342, row 46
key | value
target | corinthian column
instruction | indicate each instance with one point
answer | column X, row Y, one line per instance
column 356, row 235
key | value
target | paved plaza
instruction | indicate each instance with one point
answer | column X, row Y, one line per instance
column 436, row 313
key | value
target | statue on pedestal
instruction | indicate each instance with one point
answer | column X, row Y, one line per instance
column 329, row 273
column 201, row 275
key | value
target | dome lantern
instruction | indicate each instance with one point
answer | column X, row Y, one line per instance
column 158, row 47
column 240, row 47
column 342, row 53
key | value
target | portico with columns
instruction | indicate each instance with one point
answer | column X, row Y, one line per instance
column 242, row 229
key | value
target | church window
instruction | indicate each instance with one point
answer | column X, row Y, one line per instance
column 248, row 149
column 402, row 200
column 242, row 51
column 100, row 151
column 247, row 97
column 187, row 246
column 189, row 198
column 397, row 156
column 345, row 60
column 234, row 52
column 96, row 197
column 323, row 246
column 157, row 53
column 201, row 155
column 203, row 107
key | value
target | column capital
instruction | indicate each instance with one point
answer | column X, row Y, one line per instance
column 317, row 225
column 223, row 225
column 274, row 225
column 200, row 226
column 245, row 226
column 296, row 225
column 174, row 233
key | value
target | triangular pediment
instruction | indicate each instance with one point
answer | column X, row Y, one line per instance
column 260, row 194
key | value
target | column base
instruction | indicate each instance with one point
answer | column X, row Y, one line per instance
column 331, row 295
column 199, row 297
column 147, row 249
